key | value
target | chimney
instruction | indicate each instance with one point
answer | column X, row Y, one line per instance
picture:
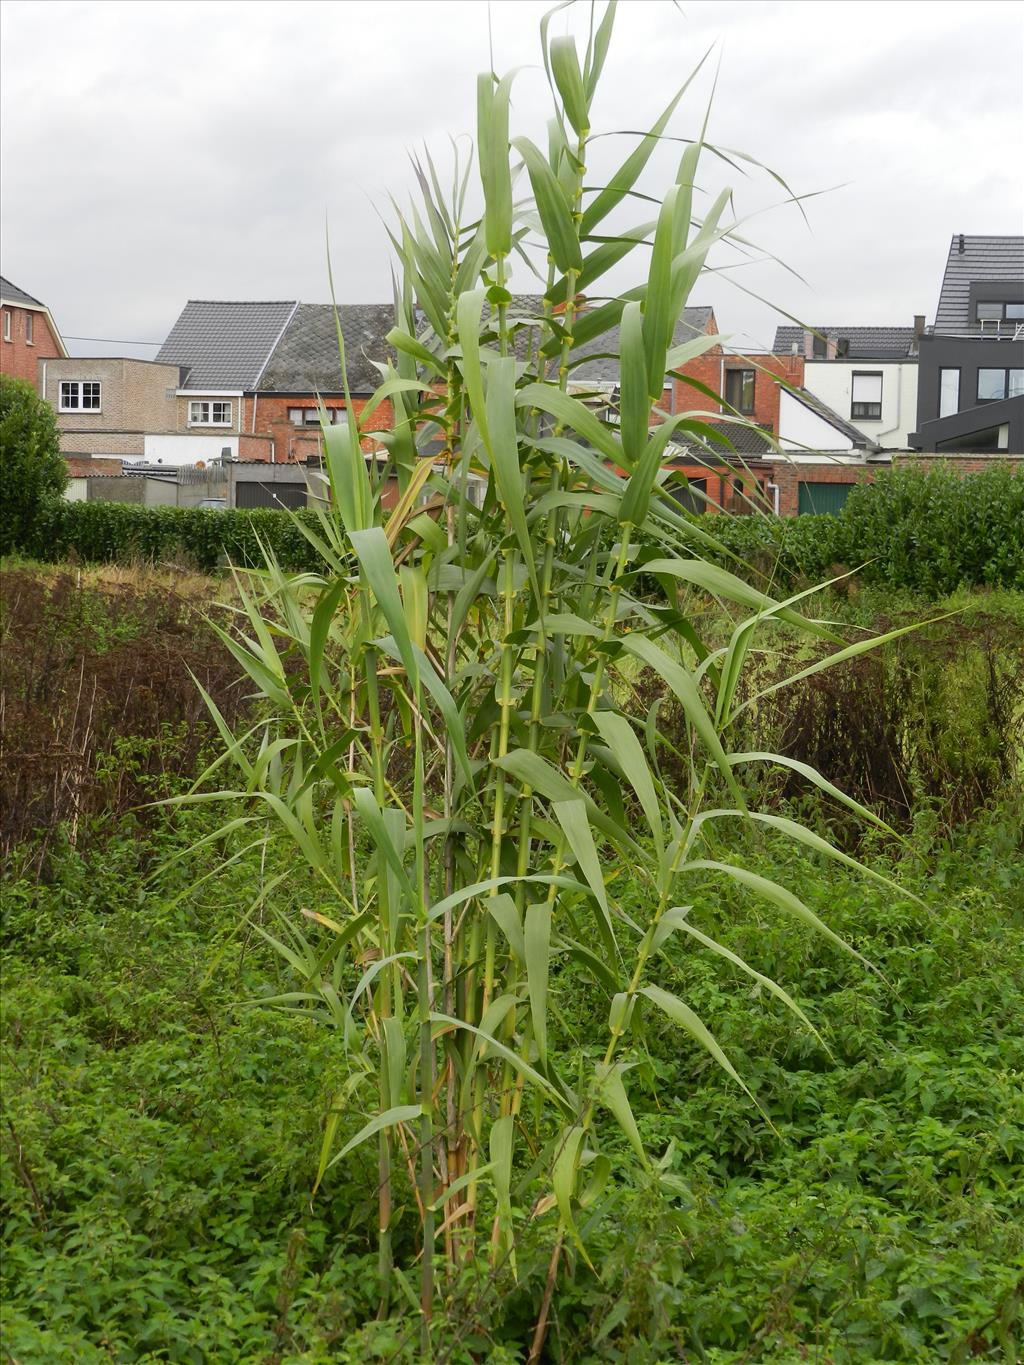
column 960, row 249
column 831, row 348
column 808, row 345
column 918, row 324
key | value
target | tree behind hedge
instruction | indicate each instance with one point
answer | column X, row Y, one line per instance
column 32, row 468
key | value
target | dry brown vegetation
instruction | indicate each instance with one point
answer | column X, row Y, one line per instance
column 98, row 710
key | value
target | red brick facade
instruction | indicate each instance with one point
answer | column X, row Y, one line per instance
column 281, row 440
column 711, row 368
column 19, row 356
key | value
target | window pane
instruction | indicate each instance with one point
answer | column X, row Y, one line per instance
column 1016, row 384
column 989, row 311
column 30, row 324
column 949, row 392
column 867, row 388
column 295, row 416
column 991, row 385
column 1015, row 310
column 739, row 389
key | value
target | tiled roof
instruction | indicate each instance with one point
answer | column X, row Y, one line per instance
column 12, row 294
column 866, row 343
column 829, row 415
column 604, row 368
column 995, row 259
column 225, row 344
column 748, row 440
column 305, row 359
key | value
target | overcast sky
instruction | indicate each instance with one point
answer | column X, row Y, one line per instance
column 155, row 152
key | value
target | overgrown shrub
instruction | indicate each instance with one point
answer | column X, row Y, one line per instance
column 98, row 709
column 116, row 532
column 31, row 466
column 926, row 530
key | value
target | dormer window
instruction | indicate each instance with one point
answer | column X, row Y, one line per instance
column 994, row 310
column 739, row 390
column 212, row 414
column 866, row 401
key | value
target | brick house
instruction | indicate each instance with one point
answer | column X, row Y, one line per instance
column 255, row 372
column 106, row 406
column 28, row 334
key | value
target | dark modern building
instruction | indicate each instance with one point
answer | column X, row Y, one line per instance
column 970, row 393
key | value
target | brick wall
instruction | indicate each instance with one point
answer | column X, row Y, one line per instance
column 128, row 443
column 291, row 442
column 788, row 476
column 82, row 468
column 710, row 369
column 135, row 396
column 19, row 357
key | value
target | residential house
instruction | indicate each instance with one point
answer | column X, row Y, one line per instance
column 260, row 370
column 28, row 334
column 222, row 349
column 107, row 406
column 971, row 389
column 868, row 375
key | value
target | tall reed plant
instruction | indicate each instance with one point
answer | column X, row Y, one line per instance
column 448, row 732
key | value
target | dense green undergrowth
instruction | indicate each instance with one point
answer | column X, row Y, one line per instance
column 928, row 531
column 925, row 531
column 160, row 1141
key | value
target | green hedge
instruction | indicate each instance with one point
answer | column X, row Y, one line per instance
column 104, row 532
column 930, row 531
column 926, row 530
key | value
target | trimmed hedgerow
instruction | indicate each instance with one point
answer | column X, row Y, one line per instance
column 923, row 530
column 115, row 532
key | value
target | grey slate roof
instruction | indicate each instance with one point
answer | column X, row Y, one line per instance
column 12, row 294
column 225, row 344
column 604, row 368
column 305, row 359
column 996, row 259
column 829, row 415
column 866, row 343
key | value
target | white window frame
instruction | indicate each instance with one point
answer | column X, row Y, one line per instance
column 63, row 393
column 205, row 408
column 30, row 329
column 872, row 382
column 7, row 324
column 305, row 417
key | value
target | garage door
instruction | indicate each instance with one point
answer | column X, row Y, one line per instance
column 270, row 494
column 823, row 497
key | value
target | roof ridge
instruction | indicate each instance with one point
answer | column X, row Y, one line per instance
column 246, row 303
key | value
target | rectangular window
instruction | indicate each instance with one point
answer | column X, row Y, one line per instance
column 739, row 390
column 949, row 392
column 7, row 326
column 209, row 414
column 79, row 395
column 30, row 328
column 994, row 385
column 867, row 396
column 310, row 417
column 995, row 310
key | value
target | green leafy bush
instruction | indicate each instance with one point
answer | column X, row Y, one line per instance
column 116, row 532
column 925, row 530
column 31, row 466
column 160, row 1133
